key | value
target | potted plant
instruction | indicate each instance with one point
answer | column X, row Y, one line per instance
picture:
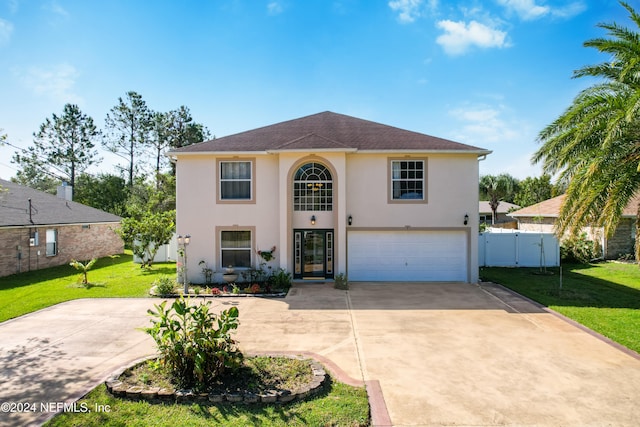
column 229, row 275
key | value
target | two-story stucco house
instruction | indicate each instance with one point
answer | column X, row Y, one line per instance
column 333, row 194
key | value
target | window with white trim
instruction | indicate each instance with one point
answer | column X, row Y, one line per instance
column 235, row 180
column 408, row 179
column 51, row 242
column 312, row 188
column 235, row 248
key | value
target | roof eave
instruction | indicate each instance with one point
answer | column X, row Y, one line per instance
column 175, row 155
column 56, row 224
column 478, row 152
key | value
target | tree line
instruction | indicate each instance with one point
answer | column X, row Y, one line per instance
column 66, row 146
column 526, row 192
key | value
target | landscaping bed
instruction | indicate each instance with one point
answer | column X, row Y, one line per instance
column 261, row 379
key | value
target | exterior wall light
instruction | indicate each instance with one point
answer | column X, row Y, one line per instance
column 313, row 220
column 466, row 219
column 350, row 220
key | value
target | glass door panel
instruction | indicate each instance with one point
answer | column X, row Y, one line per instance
column 313, row 258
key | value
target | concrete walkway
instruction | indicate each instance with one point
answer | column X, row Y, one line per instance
column 442, row 354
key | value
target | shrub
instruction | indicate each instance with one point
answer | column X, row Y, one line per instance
column 577, row 248
column 280, row 279
column 165, row 285
column 341, row 282
column 195, row 345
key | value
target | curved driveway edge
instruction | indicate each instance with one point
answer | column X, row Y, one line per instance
column 439, row 353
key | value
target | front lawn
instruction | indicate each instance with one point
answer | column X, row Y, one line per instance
column 340, row 405
column 605, row 297
column 115, row 276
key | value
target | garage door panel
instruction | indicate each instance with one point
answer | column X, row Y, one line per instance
column 407, row 256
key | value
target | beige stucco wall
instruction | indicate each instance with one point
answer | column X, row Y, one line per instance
column 199, row 214
column 360, row 189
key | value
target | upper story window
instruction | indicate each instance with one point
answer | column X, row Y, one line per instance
column 236, row 180
column 312, row 188
column 408, row 182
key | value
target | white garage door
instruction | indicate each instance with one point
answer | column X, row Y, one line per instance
column 407, row 256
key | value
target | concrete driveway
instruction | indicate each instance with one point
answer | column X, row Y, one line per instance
column 440, row 353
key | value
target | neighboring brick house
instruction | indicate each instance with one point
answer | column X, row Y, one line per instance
column 39, row 230
column 542, row 217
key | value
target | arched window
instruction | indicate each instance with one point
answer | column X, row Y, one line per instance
column 312, row 188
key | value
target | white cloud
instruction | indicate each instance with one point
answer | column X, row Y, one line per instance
column 408, row 10
column 483, row 124
column 6, row 29
column 56, row 82
column 569, row 10
column 460, row 36
column 55, row 7
column 526, row 9
column 275, row 8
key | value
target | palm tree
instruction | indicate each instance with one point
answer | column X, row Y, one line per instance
column 497, row 188
column 595, row 144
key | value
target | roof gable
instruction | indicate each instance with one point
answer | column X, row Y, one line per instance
column 328, row 130
column 46, row 209
column 312, row 141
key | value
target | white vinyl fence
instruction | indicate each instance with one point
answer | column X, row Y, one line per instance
column 518, row 249
column 165, row 252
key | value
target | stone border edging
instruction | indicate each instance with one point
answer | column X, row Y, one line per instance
column 222, row 295
column 157, row 394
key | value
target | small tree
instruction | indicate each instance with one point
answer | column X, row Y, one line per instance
column 83, row 268
column 145, row 236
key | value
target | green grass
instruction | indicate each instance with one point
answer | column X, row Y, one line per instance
column 605, row 297
column 341, row 405
column 115, row 276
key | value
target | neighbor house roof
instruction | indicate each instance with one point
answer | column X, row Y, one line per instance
column 46, row 209
column 503, row 207
column 551, row 208
column 328, row 131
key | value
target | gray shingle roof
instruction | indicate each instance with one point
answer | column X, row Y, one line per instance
column 329, row 131
column 46, row 209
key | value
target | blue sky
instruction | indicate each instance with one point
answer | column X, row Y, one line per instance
column 487, row 73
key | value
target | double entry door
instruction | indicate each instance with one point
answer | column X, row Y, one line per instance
column 312, row 254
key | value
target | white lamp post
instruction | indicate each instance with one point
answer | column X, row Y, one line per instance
column 184, row 242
